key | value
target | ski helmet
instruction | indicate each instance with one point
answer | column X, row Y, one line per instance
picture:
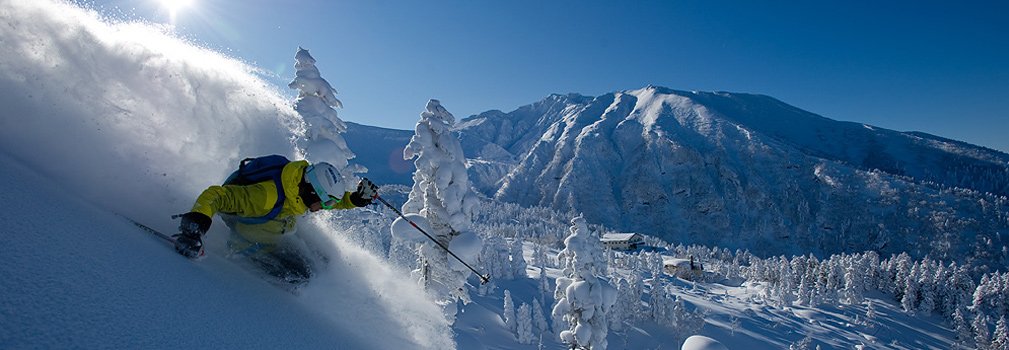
column 327, row 183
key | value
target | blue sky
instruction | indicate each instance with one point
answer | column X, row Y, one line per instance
column 937, row 67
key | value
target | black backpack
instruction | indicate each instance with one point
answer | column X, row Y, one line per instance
column 255, row 170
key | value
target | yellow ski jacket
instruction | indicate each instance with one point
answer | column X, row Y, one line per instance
column 257, row 200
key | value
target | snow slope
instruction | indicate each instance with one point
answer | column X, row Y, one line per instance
column 78, row 276
column 102, row 117
column 735, row 314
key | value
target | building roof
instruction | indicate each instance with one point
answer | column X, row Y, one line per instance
column 611, row 237
column 671, row 261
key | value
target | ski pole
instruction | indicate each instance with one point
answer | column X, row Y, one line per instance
column 149, row 229
column 484, row 278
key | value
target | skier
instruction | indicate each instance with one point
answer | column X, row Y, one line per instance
column 258, row 219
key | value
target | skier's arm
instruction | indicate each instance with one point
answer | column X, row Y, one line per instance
column 240, row 200
column 229, row 199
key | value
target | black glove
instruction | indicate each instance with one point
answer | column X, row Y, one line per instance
column 366, row 192
column 189, row 240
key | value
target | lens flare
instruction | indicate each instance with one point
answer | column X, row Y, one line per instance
column 174, row 6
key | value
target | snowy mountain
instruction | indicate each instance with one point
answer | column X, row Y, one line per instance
column 732, row 170
column 744, row 171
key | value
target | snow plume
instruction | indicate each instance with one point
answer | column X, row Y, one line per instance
column 583, row 298
column 368, row 293
column 441, row 194
column 126, row 114
column 316, row 102
column 132, row 118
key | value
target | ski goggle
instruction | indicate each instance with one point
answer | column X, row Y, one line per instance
column 313, row 179
column 328, row 205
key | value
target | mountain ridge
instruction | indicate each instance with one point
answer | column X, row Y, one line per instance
column 740, row 170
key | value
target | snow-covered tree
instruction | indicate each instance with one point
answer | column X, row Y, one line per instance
column 583, row 298
column 961, row 329
column 807, row 293
column 980, row 294
column 524, row 325
column 804, row 344
column 494, row 258
column 982, row 335
column 518, row 263
column 960, row 289
column 442, row 195
column 542, row 282
column 540, row 255
column 655, row 265
column 540, row 324
column 909, row 301
column 786, row 285
column 870, row 314
column 441, row 190
column 928, row 273
column 902, row 268
column 1000, row 339
column 323, row 140
column 623, row 309
column 853, row 284
column 799, row 267
column 509, row 311
column 660, row 304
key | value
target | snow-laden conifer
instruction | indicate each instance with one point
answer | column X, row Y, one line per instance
column 909, row 302
column 982, row 335
column 518, row 262
column 852, row 286
column 959, row 289
column 1000, row 339
column 494, row 258
column 623, row 308
column 543, row 283
column 524, row 325
column 316, row 103
column 961, row 328
column 660, row 305
column 870, row 315
column 509, row 311
column 583, row 298
column 442, row 196
column 540, row 324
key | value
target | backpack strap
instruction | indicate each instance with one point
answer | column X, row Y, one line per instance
column 277, row 207
column 274, row 172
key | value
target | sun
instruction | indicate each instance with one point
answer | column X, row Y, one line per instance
column 174, row 6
